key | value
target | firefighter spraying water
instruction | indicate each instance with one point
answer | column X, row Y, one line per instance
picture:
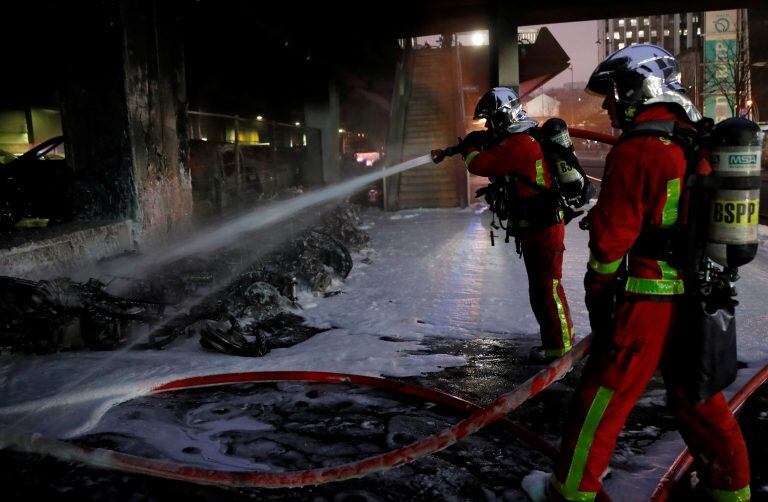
column 531, row 203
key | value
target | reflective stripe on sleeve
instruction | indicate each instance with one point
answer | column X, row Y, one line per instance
column 471, row 157
column 540, row 173
column 603, row 268
column 655, row 286
column 667, row 272
column 669, row 213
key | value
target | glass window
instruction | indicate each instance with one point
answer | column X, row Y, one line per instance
column 685, row 32
column 621, row 22
column 629, row 34
column 616, row 35
column 666, row 33
column 641, row 33
column 695, row 19
column 633, row 22
column 647, row 21
column 698, row 30
column 621, row 45
column 654, row 33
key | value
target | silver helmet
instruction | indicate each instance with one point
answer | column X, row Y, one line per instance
column 503, row 112
column 641, row 74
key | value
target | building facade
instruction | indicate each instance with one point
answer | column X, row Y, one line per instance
column 720, row 61
column 674, row 32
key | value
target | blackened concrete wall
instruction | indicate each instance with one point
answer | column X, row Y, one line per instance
column 156, row 107
column 124, row 114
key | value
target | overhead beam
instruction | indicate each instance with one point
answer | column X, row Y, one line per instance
column 504, row 53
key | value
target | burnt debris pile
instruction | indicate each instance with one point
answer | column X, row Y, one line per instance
column 61, row 314
column 242, row 301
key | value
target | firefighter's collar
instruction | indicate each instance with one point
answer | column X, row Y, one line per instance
column 676, row 98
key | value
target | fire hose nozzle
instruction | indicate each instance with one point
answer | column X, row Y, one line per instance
column 440, row 154
column 437, row 155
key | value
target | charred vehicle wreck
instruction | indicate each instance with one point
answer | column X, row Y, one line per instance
column 244, row 313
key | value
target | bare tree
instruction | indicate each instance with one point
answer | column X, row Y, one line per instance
column 729, row 76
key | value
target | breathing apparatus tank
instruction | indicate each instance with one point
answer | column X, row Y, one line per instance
column 562, row 160
column 734, row 207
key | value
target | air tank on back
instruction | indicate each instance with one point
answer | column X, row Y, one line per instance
column 562, row 160
column 735, row 149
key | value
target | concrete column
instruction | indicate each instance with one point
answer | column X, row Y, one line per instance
column 322, row 111
column 675, row 32
column 610, row 47
column 155, row 92
column 94, row 115
column 503, row 50
column 689, row 27
column 602, row 43
column 124, row 115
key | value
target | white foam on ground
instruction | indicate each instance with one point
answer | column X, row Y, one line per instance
column 431, row 275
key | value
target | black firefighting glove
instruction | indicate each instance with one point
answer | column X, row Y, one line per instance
column 439, row 155
column 569, row 213
column 601, row 295
column 584, row 222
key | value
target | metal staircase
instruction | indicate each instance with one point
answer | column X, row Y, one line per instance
column 428, row 114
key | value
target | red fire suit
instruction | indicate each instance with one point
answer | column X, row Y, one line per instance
column 521, row 155
column 640, row 189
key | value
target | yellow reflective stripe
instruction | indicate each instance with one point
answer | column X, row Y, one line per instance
column 655, row 286
column 669, row 213
column 667, row 272
column 471, row 157
column 603, row 268
column 561, row 314
column 570, row 489
column 575, row 496
column 540, row 173
column 557, row 352
column 730, row 495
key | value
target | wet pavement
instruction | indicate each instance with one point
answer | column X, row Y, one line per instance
column 461, row 300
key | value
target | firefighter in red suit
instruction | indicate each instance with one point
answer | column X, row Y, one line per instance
column 506, row 149
column 634, row 318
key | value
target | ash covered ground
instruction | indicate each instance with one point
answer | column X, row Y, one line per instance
column 428, row 300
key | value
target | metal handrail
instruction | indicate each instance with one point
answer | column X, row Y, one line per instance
column 461, row 127
column 398, row 116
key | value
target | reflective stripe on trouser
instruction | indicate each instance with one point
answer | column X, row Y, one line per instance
column 613, row 378
column 742, row 495
column 548, row 301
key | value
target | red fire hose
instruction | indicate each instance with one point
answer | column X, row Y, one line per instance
column 593, row 136
column 480, row 418
column 684, row 461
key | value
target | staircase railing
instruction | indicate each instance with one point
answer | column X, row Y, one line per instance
column 461, row 127
column 397, row 121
